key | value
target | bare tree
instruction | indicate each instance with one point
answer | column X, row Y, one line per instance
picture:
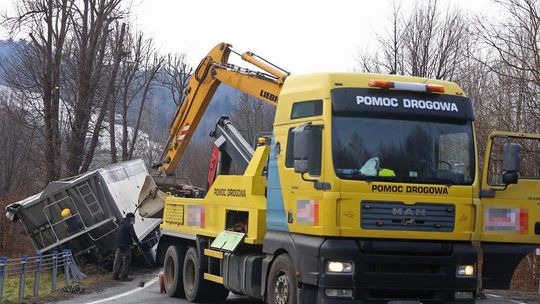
column 390, row 55
column 514, row 40
column 252, row 116
column 137, row 79
column 91, row 20
column 423, row 42
column 175, row 75
column 38, row 65
column 19, row 160
column 151, row 67
column 107, row 101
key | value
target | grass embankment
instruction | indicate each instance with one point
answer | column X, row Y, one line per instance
column 96, row 278
column 11, row 287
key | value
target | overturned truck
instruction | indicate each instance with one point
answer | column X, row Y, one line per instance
column 82, row 213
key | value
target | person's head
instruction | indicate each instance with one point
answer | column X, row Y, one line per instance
column 131, row 217
column 65, row 213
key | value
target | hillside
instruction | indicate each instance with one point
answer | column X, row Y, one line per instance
column 7, row 50
column 161, row 102
column 222, row 104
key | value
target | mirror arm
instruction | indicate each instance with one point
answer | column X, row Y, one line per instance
column 316, row 183
column 491, row 192
column 308, row 179
column 487, row 193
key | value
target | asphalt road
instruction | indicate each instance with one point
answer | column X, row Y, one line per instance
column 129, row 292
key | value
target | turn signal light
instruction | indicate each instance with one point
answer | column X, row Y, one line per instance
column 434, row 88
column 383, row 84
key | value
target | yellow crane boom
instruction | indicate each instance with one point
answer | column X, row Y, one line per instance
column 213, row 70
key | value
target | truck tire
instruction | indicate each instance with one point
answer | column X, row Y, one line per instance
column 196, row 288
column 172, row 271
column 282, row 286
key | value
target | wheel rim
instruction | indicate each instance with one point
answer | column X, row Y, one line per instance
column 189, row 280
column 281, row 288
column 169, row 272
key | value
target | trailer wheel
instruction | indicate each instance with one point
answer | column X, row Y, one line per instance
column 196, row 288
column 172, row 271
column 282, row 286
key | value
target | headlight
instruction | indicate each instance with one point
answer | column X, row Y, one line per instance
column 339, row 267
column 465, row 270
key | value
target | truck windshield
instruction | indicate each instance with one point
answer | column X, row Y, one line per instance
column 402, row 150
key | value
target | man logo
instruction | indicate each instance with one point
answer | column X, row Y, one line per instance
column 409, row 215
column 408, row 222
column 409, row 212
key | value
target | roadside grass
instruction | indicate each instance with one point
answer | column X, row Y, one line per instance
column 11, row 287
column 96, row 278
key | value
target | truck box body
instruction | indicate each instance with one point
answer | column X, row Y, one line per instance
column 97, row 201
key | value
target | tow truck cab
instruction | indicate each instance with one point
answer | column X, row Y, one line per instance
column 379, row 184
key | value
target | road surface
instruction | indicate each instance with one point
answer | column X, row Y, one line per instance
column 129, row 292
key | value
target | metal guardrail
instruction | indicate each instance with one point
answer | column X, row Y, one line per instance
column 36, row 265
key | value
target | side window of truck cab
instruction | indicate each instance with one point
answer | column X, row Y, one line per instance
column 529, row 163
column 305, row 109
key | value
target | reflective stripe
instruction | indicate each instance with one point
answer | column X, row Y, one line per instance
column 183, row 132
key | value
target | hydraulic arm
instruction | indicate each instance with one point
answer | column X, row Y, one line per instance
column 229, row 146
column 213, row 70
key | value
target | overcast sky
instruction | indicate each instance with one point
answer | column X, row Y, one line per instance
column 298, row 35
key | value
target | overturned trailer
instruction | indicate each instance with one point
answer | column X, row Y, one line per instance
column 83, row 213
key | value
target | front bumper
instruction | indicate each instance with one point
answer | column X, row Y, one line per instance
column 386, row 271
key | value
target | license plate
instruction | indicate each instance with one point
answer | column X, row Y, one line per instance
column 404, row 302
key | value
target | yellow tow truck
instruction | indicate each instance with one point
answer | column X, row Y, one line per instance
column 368, row 191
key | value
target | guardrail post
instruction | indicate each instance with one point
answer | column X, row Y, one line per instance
column 37, row 274
column 3, row 261
column 22, row 278
column 71, row 268
column 54, row 275
column 66, row 267
column 76, row 272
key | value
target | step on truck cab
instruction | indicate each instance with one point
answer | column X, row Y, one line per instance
column 368, row 191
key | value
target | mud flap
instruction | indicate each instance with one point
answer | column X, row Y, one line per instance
column 500, row 261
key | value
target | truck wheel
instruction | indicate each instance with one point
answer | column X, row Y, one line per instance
column 172, row 271
column 282, row 286
column 196, row 288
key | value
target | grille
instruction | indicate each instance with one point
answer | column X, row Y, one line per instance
column 399, row 216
